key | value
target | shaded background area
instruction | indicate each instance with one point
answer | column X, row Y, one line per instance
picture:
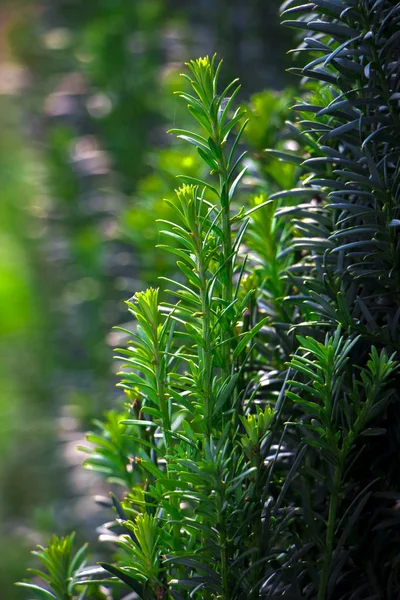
column 86, row 97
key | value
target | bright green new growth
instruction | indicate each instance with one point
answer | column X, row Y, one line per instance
column 193, row 493
column 186, row 378
column 61, row 566
column 184, row 375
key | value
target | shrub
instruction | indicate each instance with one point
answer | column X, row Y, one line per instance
column 262, row 417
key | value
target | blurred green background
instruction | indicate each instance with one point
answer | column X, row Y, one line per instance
column 86, row 97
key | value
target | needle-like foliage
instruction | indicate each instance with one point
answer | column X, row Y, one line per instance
column 258, row 448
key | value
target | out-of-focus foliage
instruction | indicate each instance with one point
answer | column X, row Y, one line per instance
column 25, row 365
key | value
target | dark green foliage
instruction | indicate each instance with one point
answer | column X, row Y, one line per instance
column 347, row 276
column 355, row 124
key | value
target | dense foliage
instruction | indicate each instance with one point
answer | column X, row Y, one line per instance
column 85, row 163
column 257, row 452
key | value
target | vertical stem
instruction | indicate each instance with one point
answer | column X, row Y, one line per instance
column 207, row 351
column 227, row 288
column 223, row 548
column 224, row 570
column 330, row 532
column 166, row 422
column 159, row 368
column 165, row 417
column 227, row 249
column 226, row 333
column 256, row 528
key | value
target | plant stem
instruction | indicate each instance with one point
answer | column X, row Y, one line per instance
column 227, row 287
column 330, row 532
column 165, row 417
column 206, row 352
column 224, row 571
column 159, row 360
column 223, row 548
